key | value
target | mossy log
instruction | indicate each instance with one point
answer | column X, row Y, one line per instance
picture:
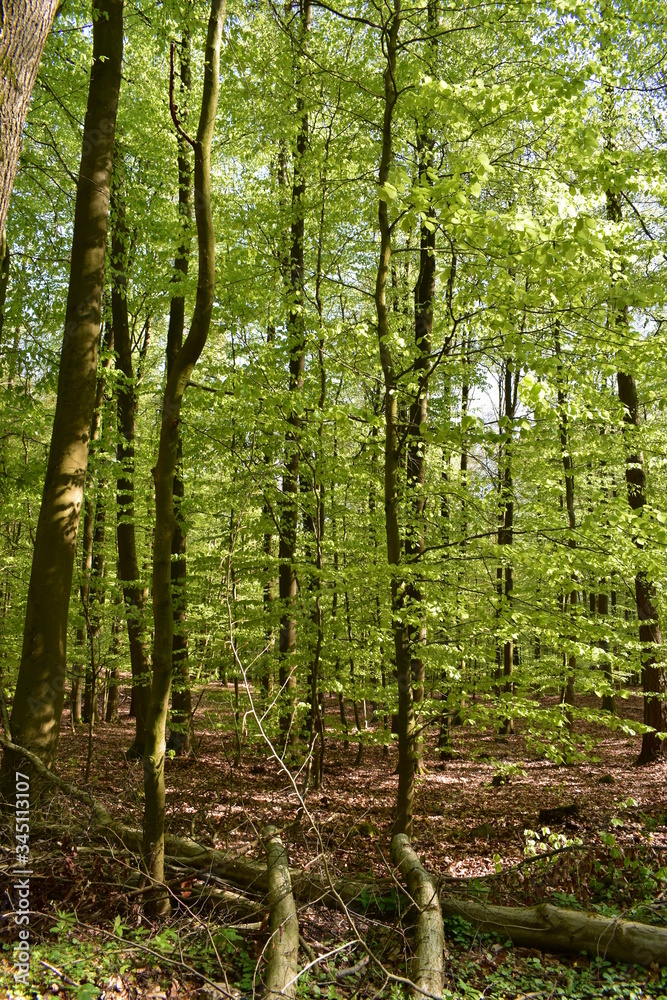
column 554, row 929
column 282, row 951
column 428, row 967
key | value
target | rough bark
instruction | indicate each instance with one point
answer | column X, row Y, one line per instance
column 25, row 28
column 38, row 700
column 135, row 595
column 163, row 473
column 283, row 947
column 428, row 966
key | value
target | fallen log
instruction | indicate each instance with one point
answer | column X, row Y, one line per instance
column 546, row 927
column 280, row 977
column 550, row 928
column 428, row 966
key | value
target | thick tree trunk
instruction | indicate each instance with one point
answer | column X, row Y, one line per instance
column 163, row 473
column 180, row 737
column 38, row 700
column 25, row 27
column 135, row 595
column 428, row 965
column 280, row 977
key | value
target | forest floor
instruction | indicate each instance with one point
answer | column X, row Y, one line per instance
column 604, row 816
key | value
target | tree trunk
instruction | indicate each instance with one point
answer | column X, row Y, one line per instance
column 296, row 343
column 163, row 473
column 38, row 700
column 406, row 715
column 280, row 977
column 81, row 669
column 568, row 470
column 135, row 595
column 91, row 708
column 180, row 736
column 428, row 966
column 650, row 636
column 416, row 445
column 268, row 590
column 25, row 27
column 506, row 532
column 5, row 257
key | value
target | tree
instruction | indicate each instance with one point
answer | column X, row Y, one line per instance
column 25, row 27
column 165, row 524
column 40, row 687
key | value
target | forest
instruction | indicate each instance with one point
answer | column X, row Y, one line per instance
column 333, row 499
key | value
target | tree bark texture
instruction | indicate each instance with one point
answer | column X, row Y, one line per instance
column 280, row 977
column 428, row 965
column 38, row 700
column 163, row 473
column 25, row 28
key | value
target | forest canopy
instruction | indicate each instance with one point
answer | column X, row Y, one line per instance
column 332, row 378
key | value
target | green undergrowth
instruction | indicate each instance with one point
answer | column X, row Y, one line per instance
column 81, row 962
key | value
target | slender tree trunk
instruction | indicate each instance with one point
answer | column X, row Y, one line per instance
column 268, row 592
column 81, row 669
column 650, row 636
column 40, row 688
column 608, row 700
column 91, row 708
column 180, row 737
column 113, row 679
column 568, row 470
column 165, row 468
column 406, row 715
column 505, row 653
column 416, row 445
column 135, row 596
column 25, row 27
column 5, row 258
column 296, row 340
